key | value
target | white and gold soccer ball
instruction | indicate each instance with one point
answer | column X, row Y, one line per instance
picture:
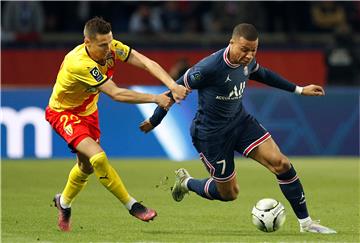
column 268, row 215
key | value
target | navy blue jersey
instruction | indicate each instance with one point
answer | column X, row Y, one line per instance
column 220, row 86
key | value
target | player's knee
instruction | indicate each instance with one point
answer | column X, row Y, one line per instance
column 88, row 169
column 85, row 167
column 281, row 165
column 99, row 160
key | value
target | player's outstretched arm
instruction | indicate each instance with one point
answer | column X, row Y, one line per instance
column 271, row 78
column 139, row 60
column 313, row 90
column 133, row 97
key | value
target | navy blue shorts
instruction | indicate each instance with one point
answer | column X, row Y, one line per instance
column 217, row 153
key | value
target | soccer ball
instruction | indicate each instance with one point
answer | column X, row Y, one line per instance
column 268, row 215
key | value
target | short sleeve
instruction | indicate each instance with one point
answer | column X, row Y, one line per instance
column 122, row 51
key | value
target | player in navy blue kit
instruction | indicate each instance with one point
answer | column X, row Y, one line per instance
column 222, row 126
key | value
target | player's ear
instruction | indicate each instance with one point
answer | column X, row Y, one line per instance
column 86, row 40
column 231, row 41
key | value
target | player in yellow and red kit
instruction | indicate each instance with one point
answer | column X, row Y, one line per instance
column 86, row 71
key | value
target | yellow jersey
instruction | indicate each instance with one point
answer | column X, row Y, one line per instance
column 79, row 76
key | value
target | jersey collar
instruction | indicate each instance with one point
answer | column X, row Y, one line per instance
column 226, row 59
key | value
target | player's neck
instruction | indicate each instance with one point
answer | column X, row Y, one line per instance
column 231, row 61
column 229, row 57
column 101, row 62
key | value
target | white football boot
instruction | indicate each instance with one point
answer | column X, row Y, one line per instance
column 314, row 226
column 179, row 189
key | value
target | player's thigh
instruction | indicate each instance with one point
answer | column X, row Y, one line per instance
column 250, row 134
column 270, row 156
column 76, row 129
column 218, row 158
column 88, row 147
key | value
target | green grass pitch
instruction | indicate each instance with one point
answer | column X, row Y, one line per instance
column 331, row 186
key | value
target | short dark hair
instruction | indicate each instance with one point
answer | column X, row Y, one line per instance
column 96, row 25
column 248, row 31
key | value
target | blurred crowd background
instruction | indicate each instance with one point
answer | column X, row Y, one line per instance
column 330, row 25
column 181, row 16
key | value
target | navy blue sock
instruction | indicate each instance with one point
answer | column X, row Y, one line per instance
column 292, row 189
column 205, row 188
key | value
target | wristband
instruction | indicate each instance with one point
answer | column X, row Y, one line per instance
column 298, row 90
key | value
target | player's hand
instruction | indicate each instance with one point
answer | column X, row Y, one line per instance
column 172, row 101
column 146, row 126
column 313, row 90
column 179, row 92
column 163, row 101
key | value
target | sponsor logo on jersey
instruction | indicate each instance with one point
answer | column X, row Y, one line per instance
column 235, row 93
column 95, row 72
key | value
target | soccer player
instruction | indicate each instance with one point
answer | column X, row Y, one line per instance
column 86, row 71
column 222, row 126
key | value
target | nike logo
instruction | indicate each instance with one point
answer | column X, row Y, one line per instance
column 103, row 177
column 228, row 79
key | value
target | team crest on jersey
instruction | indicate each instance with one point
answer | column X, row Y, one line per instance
column 68, row 129
column 110, row 62
column 246, row 70
column 95, row 72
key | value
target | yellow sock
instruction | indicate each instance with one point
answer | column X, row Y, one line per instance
column 108, row 177
column 76, row 182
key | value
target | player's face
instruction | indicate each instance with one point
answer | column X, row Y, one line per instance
column 99, row 47
column 242, row 51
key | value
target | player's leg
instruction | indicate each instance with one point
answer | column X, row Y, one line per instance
column 219, row 161
column 70, row 127
column 78, row 178
column 207, row 188
column 110, row 179
column 103, row 170
column 228, row 190
column 255, row 142
column 270, row 156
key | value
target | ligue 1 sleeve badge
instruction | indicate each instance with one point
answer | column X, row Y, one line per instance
column 95, row 72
